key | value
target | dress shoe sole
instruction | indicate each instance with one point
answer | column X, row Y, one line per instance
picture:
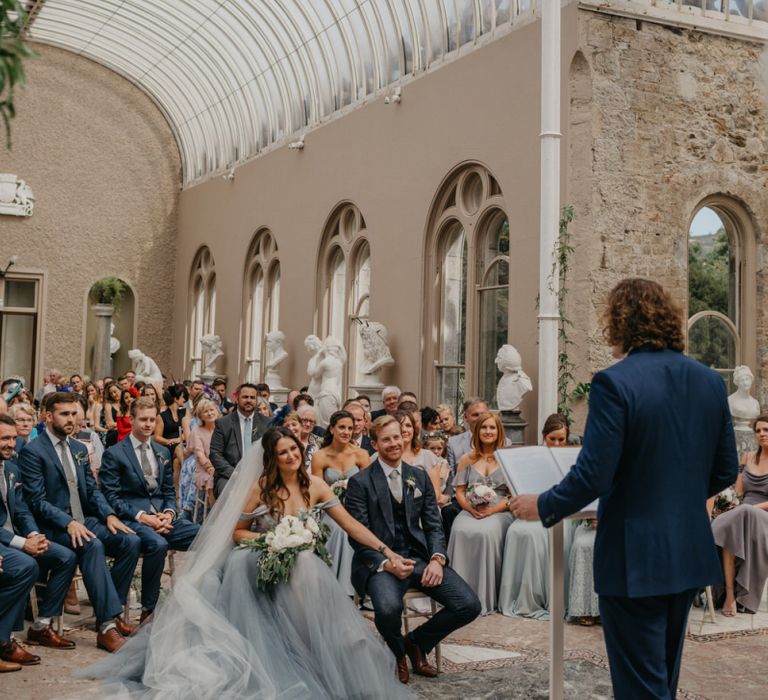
column 25, row 663
column 103, row 648
column 10, row 670
column 32, row 643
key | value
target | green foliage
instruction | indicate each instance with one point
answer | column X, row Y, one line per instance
column 708, row 275
column 12, row 52
column 109, row 290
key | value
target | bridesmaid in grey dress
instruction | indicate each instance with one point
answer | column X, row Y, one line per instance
column 338, row 459
column 477, row 538
column 743, row 531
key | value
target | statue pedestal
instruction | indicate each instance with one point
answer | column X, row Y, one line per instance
column 373, row 391
column 514, row 426
column 279, row 396
column 209, row 376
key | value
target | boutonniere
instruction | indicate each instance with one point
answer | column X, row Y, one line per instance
column 161, row 460
column 410, row 482
column 11, row 478
column 81, row 458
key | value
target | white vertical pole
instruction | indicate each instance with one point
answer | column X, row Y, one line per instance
column 548, row 310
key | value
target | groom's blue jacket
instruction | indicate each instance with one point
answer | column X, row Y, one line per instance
column 368, row 500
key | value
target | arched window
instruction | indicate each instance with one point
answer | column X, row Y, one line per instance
column 202, row 316
column 467, row 279
column 345, row 286
column 721, row 287
column 262, row 302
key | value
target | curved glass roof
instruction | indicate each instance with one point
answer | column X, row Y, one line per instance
column 234, row 77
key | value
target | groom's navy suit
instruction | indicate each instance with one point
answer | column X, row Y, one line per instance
column 127, row 491
column 658, row 442
column 47, row 493
column 414, row 529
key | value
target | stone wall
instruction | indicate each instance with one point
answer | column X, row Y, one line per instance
column 675, row 116
column 105, row 171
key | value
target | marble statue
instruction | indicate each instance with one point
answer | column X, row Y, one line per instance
column 744, row 410
column 114, row 343
column 514, row 383
column 314, row 347
column 16, row 198
column 276, row 353
column 373, row 336
column 145, row 367
column 211, row 351
column 330, row 367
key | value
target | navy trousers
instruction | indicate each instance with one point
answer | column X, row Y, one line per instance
column 57, row 567
column 460, row 607
column 107, row 590
column 644, row 639
column 16, row 580
column 154, row 547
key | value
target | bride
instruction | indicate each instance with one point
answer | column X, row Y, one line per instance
column 216, row 635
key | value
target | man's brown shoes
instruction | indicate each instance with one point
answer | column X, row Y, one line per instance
column 14, row 653
column 126, row 629
column 46, row 637
column 7, row 666
column 402, row 669
column 110, row 641
column 419, row 660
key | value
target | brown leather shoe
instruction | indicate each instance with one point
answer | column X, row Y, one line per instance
column 125, row 628
column 46, row 637
column 419, row 660
column 402, row 669
column 15, row 653
column 110, row 641
column 146, row 616
column 8, row 666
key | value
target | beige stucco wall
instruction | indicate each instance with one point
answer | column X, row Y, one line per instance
column 104, row 168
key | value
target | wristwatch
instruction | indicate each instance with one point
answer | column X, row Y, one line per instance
column 440, row 558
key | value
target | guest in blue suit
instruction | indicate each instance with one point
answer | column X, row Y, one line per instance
column 654, row 545
column 71, row 511
column 137, row 480
column 19, row 531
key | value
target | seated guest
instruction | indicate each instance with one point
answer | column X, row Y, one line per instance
column 448, row 420
column 172, row 430
column 110, row 407
column 524, row 589
column 30, row 550
column 430, row 419
column 309, row 440
column 89, row 438
column 338, row 459
column 226, row 405
column 359, row 436
column 582, row 602
column 390, row 397
column 151, row 391
column 742, row 532
column 365, row 402
column 71, row 511
column 124, row 415
column 265, row 393
column 476, row 546
column 235, row 433
column 18, row 575
column 461, row 444
column 435, row 443
column 263, row 407
column 206, row 413
column 304, row 399
column 93, row 412
column 25, row 416
column 137, row 480
column 293, row 423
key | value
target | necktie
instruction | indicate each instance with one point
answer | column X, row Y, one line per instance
column 7, row 525
column 395, row 485
column 74, row 497
column 247, row 434
column 146, row 467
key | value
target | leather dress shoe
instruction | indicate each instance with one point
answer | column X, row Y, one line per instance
column 126, row 629
column 419, row 660
column 47, row 637
column 110, row 641
column 402, row 669
column 7, row 666
column 17, row 654
column 146, row 616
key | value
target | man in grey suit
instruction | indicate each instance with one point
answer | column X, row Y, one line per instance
column 235, row 433
column 459, row 445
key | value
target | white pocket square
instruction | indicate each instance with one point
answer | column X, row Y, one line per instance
column 417, row 493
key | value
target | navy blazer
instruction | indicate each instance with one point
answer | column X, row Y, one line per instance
column 368, row 501
column 658, row 442
column 21, row 517
column 45, row 483
column 124, row 485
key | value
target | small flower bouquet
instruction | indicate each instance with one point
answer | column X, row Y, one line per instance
column 481, row 495
column 724, row 501
column 340, row 489
column 281, row 546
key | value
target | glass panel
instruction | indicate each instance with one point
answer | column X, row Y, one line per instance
column 493, row 322
column 257, row 318
column 711, row 342
column 503, row 13
column 363, row 276
column 17, row 346
column 211, row 311
column 450, row 387
column 337, row 296
column 497, row 275
column 274, row 301
column 760, row 10
column 711, row 267
column 20, row 294
column 454, row 296
column 496, row 241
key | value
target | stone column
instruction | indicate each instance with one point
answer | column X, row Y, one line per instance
column 102, row 361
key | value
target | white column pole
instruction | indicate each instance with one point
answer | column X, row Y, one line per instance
column 548, row 310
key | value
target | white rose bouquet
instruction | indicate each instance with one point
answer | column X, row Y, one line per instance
column 724, row 501
column 481, row 495
column 282, row 544
column 340, row 489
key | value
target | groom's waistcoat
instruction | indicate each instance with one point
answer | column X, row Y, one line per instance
column 404, row 543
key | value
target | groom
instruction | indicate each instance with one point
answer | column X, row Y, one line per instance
column 397, row 502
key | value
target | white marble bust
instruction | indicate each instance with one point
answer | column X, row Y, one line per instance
column 373, row 336
column 514, row 383
column 145, row 367
column 276, row 353
column 744, row 409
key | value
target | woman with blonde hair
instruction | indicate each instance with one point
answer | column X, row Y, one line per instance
column 476, row 546
column 206, row 412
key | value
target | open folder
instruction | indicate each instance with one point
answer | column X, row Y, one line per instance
column 537, row 469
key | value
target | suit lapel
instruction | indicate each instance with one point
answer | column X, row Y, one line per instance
column 160, row 462
column 130, row 454
column 236, row 427
column 52, row 455
column 406, row 472
column 8, row 505
column 381, row 488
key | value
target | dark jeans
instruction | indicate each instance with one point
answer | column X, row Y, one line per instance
column 460, row 607
column 644, row 639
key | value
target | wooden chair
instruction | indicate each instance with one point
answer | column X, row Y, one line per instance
column 170, row 571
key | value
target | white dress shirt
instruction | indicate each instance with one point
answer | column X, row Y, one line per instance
column 242, row 419
column 136, row 443
column 17, row 542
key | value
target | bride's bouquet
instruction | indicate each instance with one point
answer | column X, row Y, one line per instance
column 481, row 495
column 340, row 489
column 281, row 546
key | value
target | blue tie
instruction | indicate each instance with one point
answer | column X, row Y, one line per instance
column 247, row 434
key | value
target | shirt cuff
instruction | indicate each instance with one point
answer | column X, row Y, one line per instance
column 381, row 566
column 138, row 515
column 171, row 511
column 18, row 542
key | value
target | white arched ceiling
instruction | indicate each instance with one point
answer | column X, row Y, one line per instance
column 236, row 76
